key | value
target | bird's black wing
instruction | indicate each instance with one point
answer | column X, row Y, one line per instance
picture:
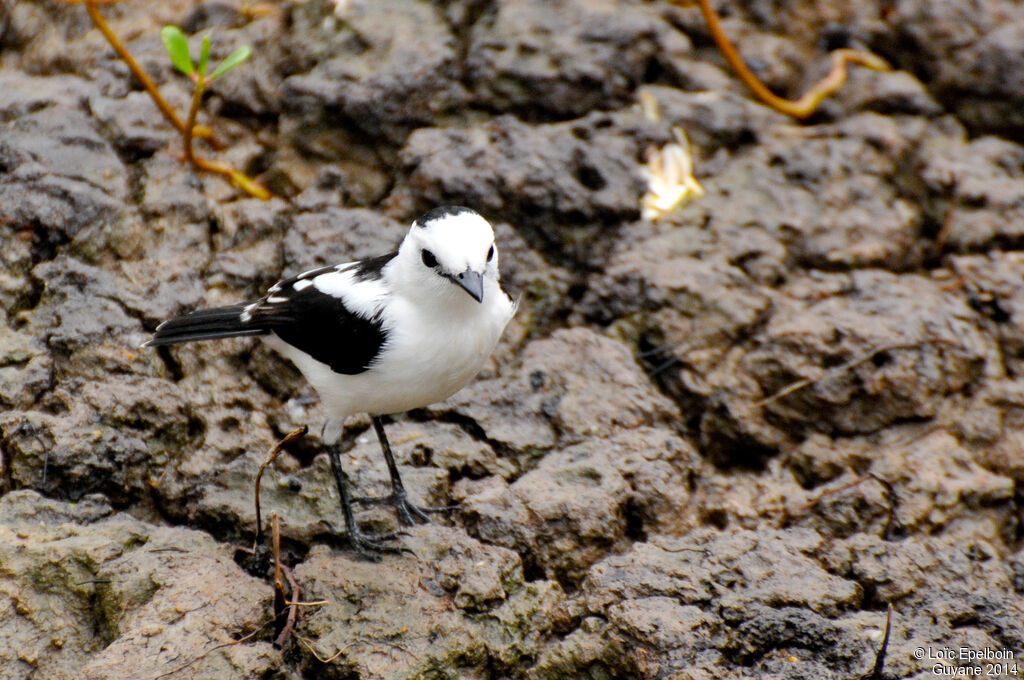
column 321, row 324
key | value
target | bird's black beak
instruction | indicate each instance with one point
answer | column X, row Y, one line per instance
column 472, row 282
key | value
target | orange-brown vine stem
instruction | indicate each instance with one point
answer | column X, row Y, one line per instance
column 91, row 6
column 807, row 104
column 243, row 181
column 190, row 123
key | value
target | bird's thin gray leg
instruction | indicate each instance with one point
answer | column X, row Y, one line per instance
column 407, row 512
column 366, row 545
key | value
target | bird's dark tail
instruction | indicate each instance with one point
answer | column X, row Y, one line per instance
column 206, row 324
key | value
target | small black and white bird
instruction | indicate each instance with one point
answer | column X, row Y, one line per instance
column 381, row 335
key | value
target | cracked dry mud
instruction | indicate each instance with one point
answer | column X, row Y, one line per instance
column 718, row 446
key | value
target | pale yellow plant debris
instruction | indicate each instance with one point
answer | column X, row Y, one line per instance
column 342, row 8
column 670, row 180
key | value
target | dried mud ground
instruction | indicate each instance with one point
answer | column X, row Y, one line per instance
column 718, row 446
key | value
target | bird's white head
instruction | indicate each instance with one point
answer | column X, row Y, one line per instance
column 450, row 251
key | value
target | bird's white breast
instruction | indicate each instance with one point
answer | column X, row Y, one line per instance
column 430, row 353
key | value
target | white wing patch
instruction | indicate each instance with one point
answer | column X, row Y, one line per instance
column 363, row 297
column 302, row 284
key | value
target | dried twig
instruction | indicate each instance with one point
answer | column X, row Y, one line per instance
column 853, row 363
column 839, row 489
column 275, row 532
column 806, row 105
column 876, row 671
column 308, row 644
column 885, row 484
column 274, row 453
column 211, row 650
column 293, row 608
column 281, row 602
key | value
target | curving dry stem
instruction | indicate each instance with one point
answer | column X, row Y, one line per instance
column 806, row 105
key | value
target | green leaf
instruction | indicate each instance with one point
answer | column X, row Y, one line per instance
column 236, row 58
column 204, row 56
column 177, row 49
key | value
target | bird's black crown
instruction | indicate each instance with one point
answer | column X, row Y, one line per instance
column 441, row 212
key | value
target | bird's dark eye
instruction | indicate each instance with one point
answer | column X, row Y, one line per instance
column 490, row 254
column 428, row 258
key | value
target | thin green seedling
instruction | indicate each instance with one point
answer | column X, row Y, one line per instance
column 177, row 49
column 176, row 44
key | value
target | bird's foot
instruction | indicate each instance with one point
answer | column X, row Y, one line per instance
column 408, row 513
column 372, row 546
